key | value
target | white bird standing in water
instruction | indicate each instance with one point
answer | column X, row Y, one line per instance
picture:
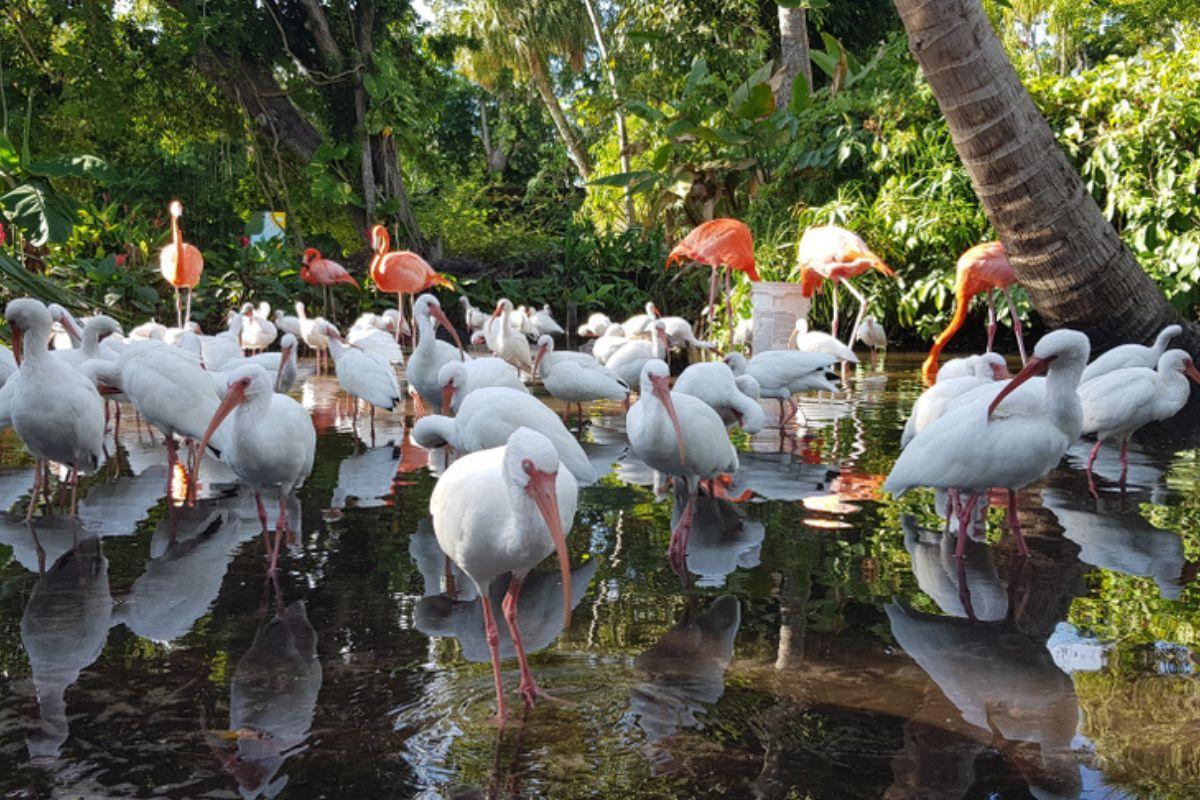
column 940, row 397
column 270, row 445
column 679, row 435
column 628, row 361
column 1006, row 441
column 430, row 353
column 505, row 510
column 1118, row 403
column 505, row 339
column 872, row 334
column 363, row 375
column 714, row 383
column 575, row 377
column 1131, row 355
column 783, row 373
column 55, row 410
column 459, row 378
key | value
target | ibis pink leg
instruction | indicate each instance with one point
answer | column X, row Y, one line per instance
column 281, row 525
column 74, row 487
column 964, row 591
column 1014, row 522
column 172, row 459
column 965, row 513
column 1124, row 458
column 529, row 689
column 1092, row 460
column 492, row 631
column 37, row 487
column 677, row 550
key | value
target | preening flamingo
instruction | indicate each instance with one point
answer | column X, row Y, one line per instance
column 181, row 264
column 505, row 510
column 718, row 243
column 270, row 444
column 401, row 272
column 55, row 410
column 1006, row 439
column 316, row 270
column 983, row 268
column 830, row 253
column 1131, row 355
column 1120, row 402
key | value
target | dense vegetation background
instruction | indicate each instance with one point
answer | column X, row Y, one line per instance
column 486, row 134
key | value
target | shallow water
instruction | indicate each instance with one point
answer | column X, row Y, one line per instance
column 819, row 648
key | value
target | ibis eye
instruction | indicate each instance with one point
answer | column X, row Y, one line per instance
column 527, row 465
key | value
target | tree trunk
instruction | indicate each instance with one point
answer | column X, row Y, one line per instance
column 1065, row 253
column 793, row 55
column 540, row 76
column 622, row 132
column 496, row 158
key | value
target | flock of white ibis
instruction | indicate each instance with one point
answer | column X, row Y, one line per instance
column 508, row 499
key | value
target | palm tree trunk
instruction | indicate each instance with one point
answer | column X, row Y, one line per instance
column 622, row 132
column 1064, row 251
column 540, row 76
column 793, row 52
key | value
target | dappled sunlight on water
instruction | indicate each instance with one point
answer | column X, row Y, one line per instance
column 825, row 643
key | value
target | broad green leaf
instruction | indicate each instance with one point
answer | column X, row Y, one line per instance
column 832, row 45
column 42, row 214
column 623, row 178
column 801, row 97
column 646, row 112
column 662, row 155
column 696, row 77
column 20, row 281
column 81, row 166
column 760, row 103
column 826, row 62
column 10, row 159
column 680, row 127
column 726, row 136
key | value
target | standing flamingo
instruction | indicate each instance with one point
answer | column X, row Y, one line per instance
column 718, row 243
column 830, row 253
column 401, row 272
column 983, row 268
column 181, row 264
column 505, row 510
column 320, row 271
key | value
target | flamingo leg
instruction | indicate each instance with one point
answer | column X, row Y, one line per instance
column 1014, row 522
column 492, row 632
column 712, row 298
column 991, row 326
column 677, row 550
column 728, row 311
column 965, row 512
column 1092, row 460
column 1016, row 323
column 834, row 325
column 178, row 309
column 187, row 314
column 400, row 320
column 529, row 689
column 37, row 487
column 862, row 312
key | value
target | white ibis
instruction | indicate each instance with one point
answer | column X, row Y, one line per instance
column 151, row 329
column 680, row 335
column 8, row 364
column 94, row 330
column 281, row 365
column 488, row 416
column 505, row 339
column 270, row 444
column 472, row 316
column 639, row 324
column 783, row 373
column 628, row 361
column 431, row 353
column 56, row 411
column 597, row 323
column 957, row 368
column 872, row 334
column 285, row 323
column 370, row 332
column 1006, row 441
column 677, row 434
column 544, row 321
column 1118, row 403
column 312, row 332
column 459, row 378
column 822, row 342
column 935, row 400
column 715, row 384
column 1131, row 355
column 225, row 347
column 575, row 377
column 258, row 332
column 609, row 343
column 505, row 510
column 364, row 376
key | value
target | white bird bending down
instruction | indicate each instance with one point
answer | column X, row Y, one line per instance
column 55, row 410
column 596, row 325
column 715, row 384
column 472, row 316
column 270, row 445
column 612, row 340
column 628, row 361
column 94, row 330
column 575, row 377
column 543, row 320
column 680, row 335
column 935, row 400
column 821, row 342
column 431, row 353
column 258, row 332
column 783, row 373
column 1006, row 441
column 1120, row 402
column 957, row 368
column 505, row 510
column 363, row 375
column 679, row 435
column 1131, row 355
column 459, row 378
column 488, row 416
column 639, row 324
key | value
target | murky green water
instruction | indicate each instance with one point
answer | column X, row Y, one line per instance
column 819, row 649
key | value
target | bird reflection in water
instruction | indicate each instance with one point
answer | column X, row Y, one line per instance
column 685, row 674
column 273, row 698
column 63, row 629
column 722, row 538
column 968, row 587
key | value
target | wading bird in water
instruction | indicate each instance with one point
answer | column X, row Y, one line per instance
column 505, row 510
column 316, row 270
column 983, row 268
column 718, row 243
column 401, row 272
column 830, row 253
column 181, row 264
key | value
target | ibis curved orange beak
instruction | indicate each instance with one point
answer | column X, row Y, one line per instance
column 537, row 360
column 285, row 355
column 1190, row 370
column 1036, row 366
column 448, row 398
column 18, row 344
column 662, row 390
column 440, row 316
column 233, row 398
column 544, row 493
column 1000, row 372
